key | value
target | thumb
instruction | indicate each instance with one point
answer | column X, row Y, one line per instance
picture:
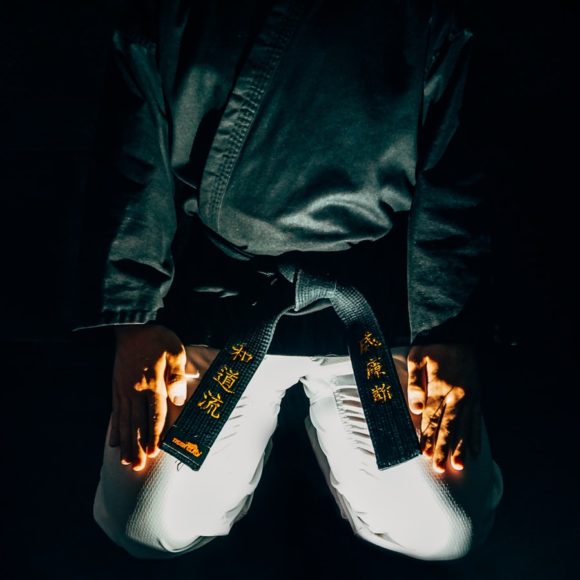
column 416, row 391
column 176, row 380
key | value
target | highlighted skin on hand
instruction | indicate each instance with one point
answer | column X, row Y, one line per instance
column 149, row 371
column 443, row 388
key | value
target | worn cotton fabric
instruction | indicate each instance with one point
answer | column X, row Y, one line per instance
column 286, row 128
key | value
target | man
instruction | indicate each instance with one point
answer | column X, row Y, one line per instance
column 299, row 133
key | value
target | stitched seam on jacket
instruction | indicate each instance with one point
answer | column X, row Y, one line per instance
column 249, row 109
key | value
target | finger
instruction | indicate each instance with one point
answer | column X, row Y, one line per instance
column 417, row 398
column 175, row 378
column 458, row 455
column 428, row 437
column 157, row 412
column 460, row 438
column 416, row 387
column 114, row 440
column 430, row 424
column 139, row 418
column 442, row 443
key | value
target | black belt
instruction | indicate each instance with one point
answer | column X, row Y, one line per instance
column 392, row 432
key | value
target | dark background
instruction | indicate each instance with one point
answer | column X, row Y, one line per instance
column 519, row 110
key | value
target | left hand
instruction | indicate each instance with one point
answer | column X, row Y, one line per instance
column 443, row 388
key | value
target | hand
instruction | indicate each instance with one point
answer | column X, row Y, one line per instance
column 149, row 369
column 443, row 388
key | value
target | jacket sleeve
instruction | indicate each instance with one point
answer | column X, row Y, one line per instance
column 448, row 242
column 129, row 217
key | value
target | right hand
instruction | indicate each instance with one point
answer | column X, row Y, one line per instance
column 149, row 369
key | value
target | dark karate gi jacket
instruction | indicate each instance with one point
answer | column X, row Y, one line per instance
column 234, row 134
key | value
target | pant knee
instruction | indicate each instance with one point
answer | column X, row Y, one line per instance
column 416, row 518
column 443, row 539
column 459, row 524
column 449, row 538
column 142, row 536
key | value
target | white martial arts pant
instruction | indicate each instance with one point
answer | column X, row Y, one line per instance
column 169, row 509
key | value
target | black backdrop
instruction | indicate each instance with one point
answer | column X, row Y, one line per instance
column 519, row 108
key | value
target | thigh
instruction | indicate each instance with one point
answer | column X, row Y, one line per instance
column 407, row 508
column 168, row 508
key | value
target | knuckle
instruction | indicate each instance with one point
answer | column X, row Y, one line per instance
column 428, row 432
column 154, row 385
column 450, row 416
column 434, row 365
column 140, row 385
column 456, row 395
column 175, row 377
column 443, row 437
column 440, row 453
